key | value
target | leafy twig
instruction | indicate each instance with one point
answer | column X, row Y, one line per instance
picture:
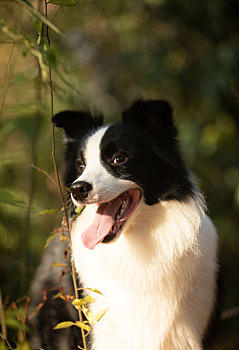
column 36, row 13
column 59, row 183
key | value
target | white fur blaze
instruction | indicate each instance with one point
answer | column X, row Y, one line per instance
column 105, row 186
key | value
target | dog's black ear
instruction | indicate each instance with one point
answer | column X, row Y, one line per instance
column 76, row 123
column 153, row 116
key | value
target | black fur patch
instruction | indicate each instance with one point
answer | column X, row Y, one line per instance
column 147, row 137
column 77, row 125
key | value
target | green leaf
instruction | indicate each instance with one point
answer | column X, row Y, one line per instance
column 39, row 15
column 56, row 296
column 10, row 158
column 65, row 324
column 51, row 58
column 100, row 314
column 49, row 239
column 6, row 129
column 7, row 197
column 38, row 26
column 66, row 2
column 15, row 324
column 48, row 212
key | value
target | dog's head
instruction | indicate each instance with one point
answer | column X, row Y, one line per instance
column 118, row 165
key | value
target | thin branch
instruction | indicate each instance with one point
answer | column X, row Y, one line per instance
column 45, row 173
column 39, row 15
column 2, row 319
column 9, row 69
column 59, row 183
column 32, row 180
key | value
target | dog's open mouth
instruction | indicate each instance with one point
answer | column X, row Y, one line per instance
column 110, row 217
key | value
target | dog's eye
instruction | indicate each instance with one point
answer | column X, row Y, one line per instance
column 119, row 160
column 80, row 167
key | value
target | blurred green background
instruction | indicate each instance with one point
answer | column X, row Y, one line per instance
column 110, row 53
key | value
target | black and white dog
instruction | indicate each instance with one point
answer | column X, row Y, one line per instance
column 143, row 239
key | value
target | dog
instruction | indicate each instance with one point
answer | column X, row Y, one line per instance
column 143, row 239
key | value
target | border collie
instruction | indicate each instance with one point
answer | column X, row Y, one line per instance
column 143, row 239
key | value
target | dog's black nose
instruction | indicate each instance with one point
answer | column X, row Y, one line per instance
column 80, row 190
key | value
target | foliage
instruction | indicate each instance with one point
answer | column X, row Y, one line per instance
column 106, row 54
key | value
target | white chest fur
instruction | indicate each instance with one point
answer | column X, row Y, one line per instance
column 158, row 278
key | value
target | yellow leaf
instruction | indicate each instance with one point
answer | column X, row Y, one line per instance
column 86, row 327
column 49, row 239
column 82, row 302
column 78, row 303
column 24, row 346
column 100, row 314
column 89, row 316
column 63, row 237
column 58, row 264
column 66, row 324
column 88, row 299
column 48, row 211
column 95, row 290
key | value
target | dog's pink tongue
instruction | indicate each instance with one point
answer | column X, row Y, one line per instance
column 102, row 224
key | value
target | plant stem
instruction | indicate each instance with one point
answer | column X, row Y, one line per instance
column 2, row 319
column 53, row 153
column 32, row 180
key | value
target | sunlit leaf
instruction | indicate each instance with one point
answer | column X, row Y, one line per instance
column 89, row 299
column 49, row 239
column 95, row 290
column 65, row 324
column 63, row 237
column 82, row 302
column 48, row 212
column 56, row 296
column 89, row 315
column 83, row 325
column 100, row 314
